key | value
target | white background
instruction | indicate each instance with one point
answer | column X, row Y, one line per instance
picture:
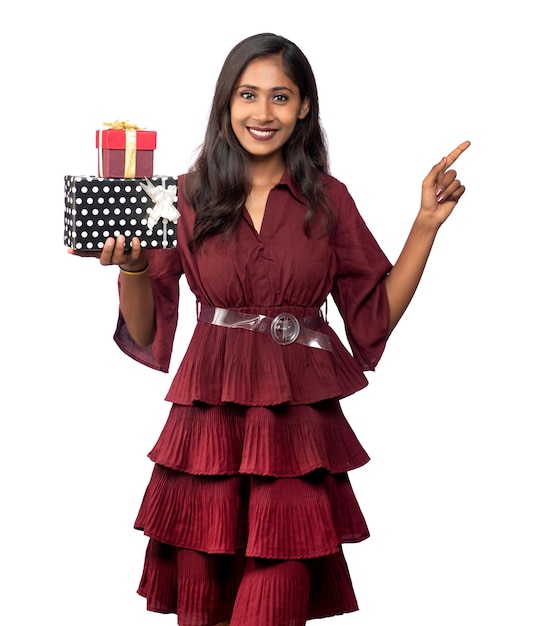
column 447, row 418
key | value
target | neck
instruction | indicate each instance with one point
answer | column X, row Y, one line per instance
column 267, row 172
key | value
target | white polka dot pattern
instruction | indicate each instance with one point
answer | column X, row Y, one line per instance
column 98, row 208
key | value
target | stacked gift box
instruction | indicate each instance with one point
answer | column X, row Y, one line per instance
column 125, row 152
column 125, row 198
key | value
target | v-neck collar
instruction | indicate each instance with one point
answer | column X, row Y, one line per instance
column 285, row 181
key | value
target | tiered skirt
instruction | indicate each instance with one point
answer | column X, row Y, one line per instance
column 246, row 512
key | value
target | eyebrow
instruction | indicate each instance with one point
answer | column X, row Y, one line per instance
column 253, row 87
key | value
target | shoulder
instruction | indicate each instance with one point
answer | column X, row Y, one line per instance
column 333, row 184
column 339, row 198
column 182, row 181
column 349, row 225
column 337, row 193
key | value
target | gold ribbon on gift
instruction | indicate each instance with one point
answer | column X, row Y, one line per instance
column 122, row 125
column 130, row 153
column 130, row 144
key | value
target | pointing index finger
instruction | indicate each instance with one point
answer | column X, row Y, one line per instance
column 456, row 153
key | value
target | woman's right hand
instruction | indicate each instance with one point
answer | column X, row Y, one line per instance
column 113, row 253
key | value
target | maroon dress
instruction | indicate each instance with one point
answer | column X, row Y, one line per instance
column 250, row 501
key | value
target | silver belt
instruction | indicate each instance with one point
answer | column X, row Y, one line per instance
column 284, row 328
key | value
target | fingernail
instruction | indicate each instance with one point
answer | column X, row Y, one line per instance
column 440, row 199
column 438, row 192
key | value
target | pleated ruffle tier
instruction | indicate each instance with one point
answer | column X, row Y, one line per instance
column 207, row 589
column 284, row 441
column 236, row 491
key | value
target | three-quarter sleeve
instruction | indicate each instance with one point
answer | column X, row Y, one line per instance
column 359, row 284
column 165, row 269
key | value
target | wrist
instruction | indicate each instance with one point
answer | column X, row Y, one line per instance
column 135, row 269
column 426, row 222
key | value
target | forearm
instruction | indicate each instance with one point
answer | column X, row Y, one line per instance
column 137, row 306
column 406, row 273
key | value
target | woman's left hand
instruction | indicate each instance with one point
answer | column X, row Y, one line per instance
column 441, row 190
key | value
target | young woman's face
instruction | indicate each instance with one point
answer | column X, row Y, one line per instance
column 265, row 107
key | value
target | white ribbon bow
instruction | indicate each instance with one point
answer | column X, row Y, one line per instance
column 163, row 199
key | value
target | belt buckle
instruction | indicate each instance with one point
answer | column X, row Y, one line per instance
column 285, row 329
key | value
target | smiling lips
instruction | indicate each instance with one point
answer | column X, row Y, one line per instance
column 261, row 133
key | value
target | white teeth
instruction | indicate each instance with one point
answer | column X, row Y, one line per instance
column 261, row 133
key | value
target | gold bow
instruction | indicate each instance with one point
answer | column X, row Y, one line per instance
column 122, row 125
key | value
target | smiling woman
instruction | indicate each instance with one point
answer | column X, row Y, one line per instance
column 250, row 501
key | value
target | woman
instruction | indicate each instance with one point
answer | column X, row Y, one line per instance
column 250, row 501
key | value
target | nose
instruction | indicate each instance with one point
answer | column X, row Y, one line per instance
column 263, row 110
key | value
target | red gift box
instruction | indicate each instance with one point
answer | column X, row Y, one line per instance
column 126, row 153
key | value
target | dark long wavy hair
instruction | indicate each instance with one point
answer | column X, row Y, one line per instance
column 218, row 182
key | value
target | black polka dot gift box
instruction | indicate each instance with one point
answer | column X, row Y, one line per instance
column 97, row 208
